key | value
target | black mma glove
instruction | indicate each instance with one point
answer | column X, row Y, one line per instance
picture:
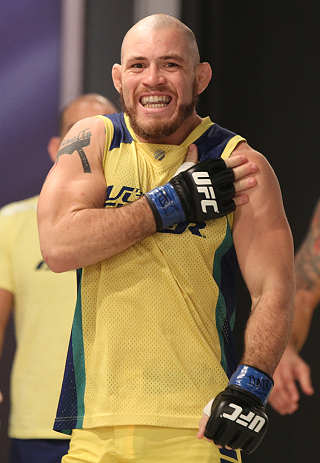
column 238, row 417
column 200, row 193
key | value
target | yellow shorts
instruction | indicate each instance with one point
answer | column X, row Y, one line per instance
column 144, row 444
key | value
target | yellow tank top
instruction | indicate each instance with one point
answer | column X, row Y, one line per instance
column 152, row 332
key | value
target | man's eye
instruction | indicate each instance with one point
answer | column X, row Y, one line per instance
column 137, row 66
column 171, row 65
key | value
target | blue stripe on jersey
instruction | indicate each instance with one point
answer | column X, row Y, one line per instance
column 66, row 418
column 211, row 145
column 121, row 133
column 228, row 453
column 71, row 408
column 215, row 136
column 77, row 340
column 225, row 267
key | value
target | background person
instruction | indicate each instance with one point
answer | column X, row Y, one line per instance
column 43, row 306
column 292, row 368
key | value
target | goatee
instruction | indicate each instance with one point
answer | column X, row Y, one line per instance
column 157, row 130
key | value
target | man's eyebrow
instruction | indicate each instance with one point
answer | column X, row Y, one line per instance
column 174, row 57
column 164, row 58
column 136, row 58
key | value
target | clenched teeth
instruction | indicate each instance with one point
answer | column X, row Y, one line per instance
column 155, row 101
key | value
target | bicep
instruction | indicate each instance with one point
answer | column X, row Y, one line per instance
column 262, row 236
column 76, row 181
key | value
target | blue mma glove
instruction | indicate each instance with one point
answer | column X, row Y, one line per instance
column 202, row 192
column 238, row 417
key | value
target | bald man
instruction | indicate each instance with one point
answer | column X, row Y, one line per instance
column 158, row 251
column 43, row 304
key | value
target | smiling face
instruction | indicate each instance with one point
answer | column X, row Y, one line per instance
column 158, row 82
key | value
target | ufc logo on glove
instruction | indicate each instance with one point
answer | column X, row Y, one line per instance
column 202, row 178
column 254, row 422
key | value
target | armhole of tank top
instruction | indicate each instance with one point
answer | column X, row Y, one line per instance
column 109, row 128
column 231, row 145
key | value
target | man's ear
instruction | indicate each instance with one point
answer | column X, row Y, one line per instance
column 204, row 74
column 53, row 147
column 116, row 76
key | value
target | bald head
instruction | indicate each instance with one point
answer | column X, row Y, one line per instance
column 162, row 21
column 90, row 104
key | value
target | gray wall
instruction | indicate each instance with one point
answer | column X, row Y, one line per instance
column 107, row 23
column 267, row 86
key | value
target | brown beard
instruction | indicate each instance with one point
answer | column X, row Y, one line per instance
column 157, row 130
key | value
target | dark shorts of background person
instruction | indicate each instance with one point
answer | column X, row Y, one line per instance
column 38, row 450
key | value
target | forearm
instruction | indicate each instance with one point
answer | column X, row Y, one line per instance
column 305, row 303
column 89, row 236
column 268, row 328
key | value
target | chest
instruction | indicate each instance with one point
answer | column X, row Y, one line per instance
column 133, row 169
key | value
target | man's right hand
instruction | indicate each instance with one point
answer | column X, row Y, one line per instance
column 285, row 396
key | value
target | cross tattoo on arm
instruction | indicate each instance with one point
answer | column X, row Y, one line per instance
column 77, row 144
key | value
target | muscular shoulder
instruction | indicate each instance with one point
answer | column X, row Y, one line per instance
column 265, row 175
column 85, row 129
column 87, row 138
column 265, row 199
column 252, row 154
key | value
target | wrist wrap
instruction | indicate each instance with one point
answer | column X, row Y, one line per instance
column 253, row 380
column 166, row 206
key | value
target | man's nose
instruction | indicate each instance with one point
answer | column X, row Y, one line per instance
column 154, row 76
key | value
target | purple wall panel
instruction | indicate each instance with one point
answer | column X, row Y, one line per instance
column 29, row 79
